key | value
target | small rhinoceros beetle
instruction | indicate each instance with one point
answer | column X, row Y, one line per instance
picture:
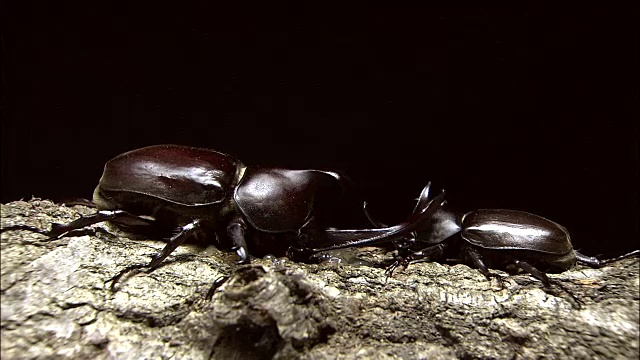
column 179, row 192
column 495, row 238
column 510, row 240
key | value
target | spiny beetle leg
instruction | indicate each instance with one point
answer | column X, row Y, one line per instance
column 59, row 230
column 236, row 231
column 545, row 279
column 597, row 263
column 178, row 239
column 25, row 228
column 484, row 269
column 424, row 254
column 183, row 233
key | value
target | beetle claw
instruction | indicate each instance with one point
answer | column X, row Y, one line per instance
column 499, row 279
column 216, row 285
column 402, row 262
column 389, row 271
column 299, row 254
column 115, row 280
column 242, row 254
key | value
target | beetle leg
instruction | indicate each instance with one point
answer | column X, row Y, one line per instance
column 216, row 285
column 116, row 279
column 236, row 230
column 120, row 216
column 534, row 272
column 78, row 201
column 183, row 234
column 389, row 271
column 596, row 263
column 426, row 253
column 484, row 269
column 59, row 230
column 24, row 227
column 545, row 279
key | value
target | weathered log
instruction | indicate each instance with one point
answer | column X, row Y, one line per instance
column 57, row 303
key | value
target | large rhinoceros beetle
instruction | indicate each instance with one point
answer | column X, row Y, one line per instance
column 178, row 192
column 495, row 238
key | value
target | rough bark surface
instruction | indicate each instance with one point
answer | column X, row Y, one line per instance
column 57, row 303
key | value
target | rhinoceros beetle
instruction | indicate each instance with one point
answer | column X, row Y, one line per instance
column 179, row 192
column 494, row 238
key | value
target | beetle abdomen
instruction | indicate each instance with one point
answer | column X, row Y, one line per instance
column 180, row 174
column 518, row 230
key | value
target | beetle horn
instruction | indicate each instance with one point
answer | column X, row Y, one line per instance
column 330, row 239
column 423, row 199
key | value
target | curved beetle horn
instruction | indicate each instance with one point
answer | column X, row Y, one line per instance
column 331, row 239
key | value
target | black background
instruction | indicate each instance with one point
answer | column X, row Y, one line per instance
column 531, row 108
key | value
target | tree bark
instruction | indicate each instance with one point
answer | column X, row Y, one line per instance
column 57, row 303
